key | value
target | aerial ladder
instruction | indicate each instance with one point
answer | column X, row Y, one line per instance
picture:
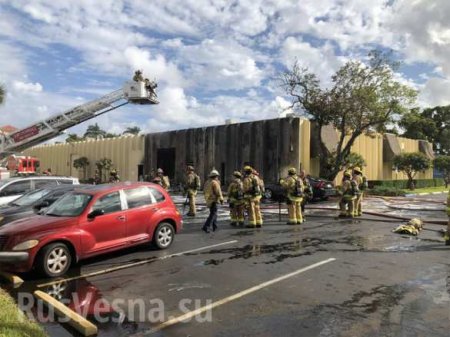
column 137, row 91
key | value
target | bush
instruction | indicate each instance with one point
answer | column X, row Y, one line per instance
column 403, row 184
column 386, row 191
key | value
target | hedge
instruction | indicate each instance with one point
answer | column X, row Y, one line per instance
column 386, row 191
column 403, row 184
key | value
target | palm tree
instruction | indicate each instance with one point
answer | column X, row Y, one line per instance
column 133, row 130
column 73, row 137
column 94, row 131
column 2, row 93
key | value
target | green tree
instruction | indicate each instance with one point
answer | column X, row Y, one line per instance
column 81, row 164
column 411, row 163
column 430, row 124
column 354, row 160
column 361, row 99
column 441, row 117
column 133, row 130
column 103, row 167
column 111, row 135
column 2, row 94
column 417, row 126
column 442, row 163
column 73, row 137
column 94, row 131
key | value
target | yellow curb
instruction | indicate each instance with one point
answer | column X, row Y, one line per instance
column 78, row 322
column 14, row 279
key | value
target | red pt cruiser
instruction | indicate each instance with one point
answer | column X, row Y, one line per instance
column 86, row 222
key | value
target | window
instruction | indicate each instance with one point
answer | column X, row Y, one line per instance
column 157, row 194
column 109, row 203
column 65, row 181
column 31, row 197
column 39, row 183
column 15, row 188
column 55, row 196
column 138, row 197
column 71, row 204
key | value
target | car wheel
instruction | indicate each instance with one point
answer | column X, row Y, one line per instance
column 164, row 235
column 54, row 260
column 268, row 194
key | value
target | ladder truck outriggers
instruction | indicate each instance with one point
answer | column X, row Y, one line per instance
column 137, row 91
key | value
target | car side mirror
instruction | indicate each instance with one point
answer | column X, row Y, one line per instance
column 95, row 213
column 40, row 206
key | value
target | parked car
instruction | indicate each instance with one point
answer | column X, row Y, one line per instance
column 86, row 222
column 322, row 190
column 33, row 201
column 12, row 188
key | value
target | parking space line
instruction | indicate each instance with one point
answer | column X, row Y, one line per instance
column 124, row 266
column 225, row 300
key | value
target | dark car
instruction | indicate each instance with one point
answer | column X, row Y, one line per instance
column 89, row 221
column 322, row 190
column 32, row 202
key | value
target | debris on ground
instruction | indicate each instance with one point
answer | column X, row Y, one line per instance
column 412, row 227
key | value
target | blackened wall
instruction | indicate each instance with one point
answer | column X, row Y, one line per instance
column 271, row 146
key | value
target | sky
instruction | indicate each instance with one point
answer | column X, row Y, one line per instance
column 213, row 60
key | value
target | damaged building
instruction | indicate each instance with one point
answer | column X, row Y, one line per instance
column 271, row 146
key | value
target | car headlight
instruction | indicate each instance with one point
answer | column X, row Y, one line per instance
column 26, row 245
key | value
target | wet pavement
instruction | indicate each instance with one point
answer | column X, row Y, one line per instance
column 381, row 283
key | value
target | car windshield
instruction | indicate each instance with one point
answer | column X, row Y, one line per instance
column 30, row 198
column 71, row 204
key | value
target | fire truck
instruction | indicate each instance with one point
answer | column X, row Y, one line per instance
column 133, row 91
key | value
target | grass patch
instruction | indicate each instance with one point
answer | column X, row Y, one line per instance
column 427, row 190
column 13, row 323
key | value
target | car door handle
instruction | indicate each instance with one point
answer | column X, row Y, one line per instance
column 154, row 209
column 121, row 217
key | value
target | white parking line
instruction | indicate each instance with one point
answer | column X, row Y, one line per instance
column 230, row 298
column 109, row 270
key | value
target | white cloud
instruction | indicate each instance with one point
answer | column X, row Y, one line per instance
column 319, row 60
column 436, row 91
column 203, row 48
column 27, row 88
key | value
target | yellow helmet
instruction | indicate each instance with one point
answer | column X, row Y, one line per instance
column 237, row 174
column 292, row 171
column 357, row 169
column 248, row 168
column 347, row 174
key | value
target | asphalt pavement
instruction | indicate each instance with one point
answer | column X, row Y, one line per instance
column 326, row 277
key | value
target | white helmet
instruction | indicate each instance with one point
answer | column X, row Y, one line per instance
column 214, row 173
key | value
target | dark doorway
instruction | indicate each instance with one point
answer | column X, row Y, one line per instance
column 166, row 160
column 141, row 172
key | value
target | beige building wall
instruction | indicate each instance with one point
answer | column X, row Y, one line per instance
column 126, row 153
column 406, row 146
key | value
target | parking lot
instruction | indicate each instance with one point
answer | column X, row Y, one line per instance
column 326, row 277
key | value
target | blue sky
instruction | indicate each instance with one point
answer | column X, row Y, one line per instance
column 213, row 60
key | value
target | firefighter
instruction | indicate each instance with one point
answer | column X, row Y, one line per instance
column 191, row 187
column 236, row 199
column 307, row 191
column 361, row 181
column 447, row 235
column 294, row 190
column 259, row 218
column 347, row 202
column 213, row 196
column 114, row 176
column 138, row 76
column 165, row 183
column 157, row 180
column 252, row 197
